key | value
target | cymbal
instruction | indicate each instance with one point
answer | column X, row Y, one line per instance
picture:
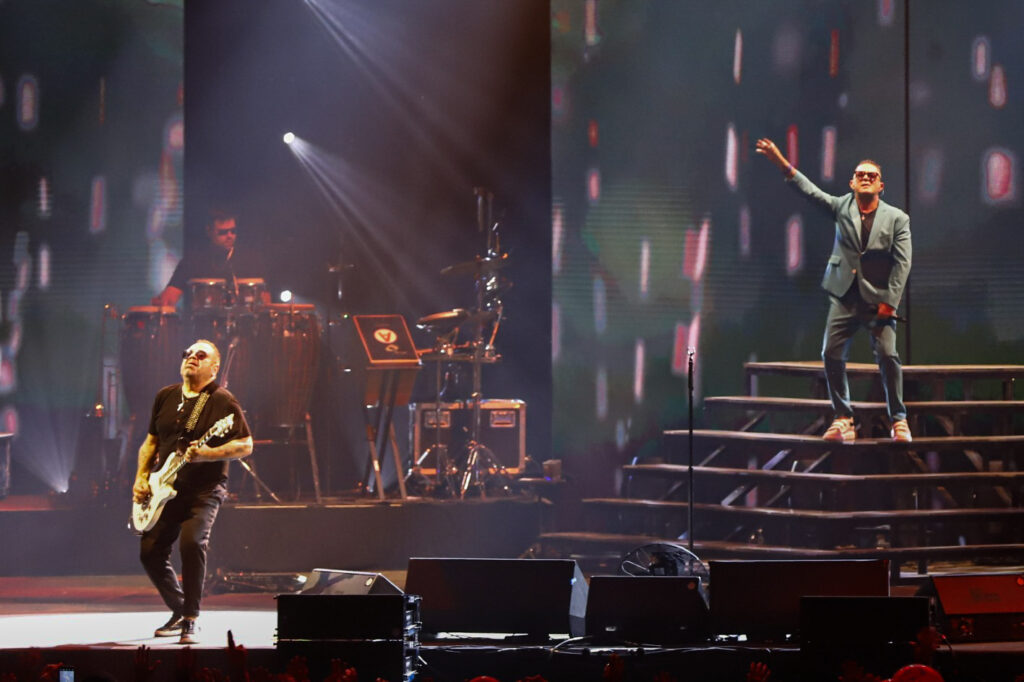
column 446, row 319
column 478, row 265
column 450, row 319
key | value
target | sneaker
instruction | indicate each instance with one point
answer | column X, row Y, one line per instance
column 189, row 631
column 841, row 430
column 171, row 628
column 901, row 431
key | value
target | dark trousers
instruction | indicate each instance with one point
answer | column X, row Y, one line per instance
column 845, row 316
column 189, row 516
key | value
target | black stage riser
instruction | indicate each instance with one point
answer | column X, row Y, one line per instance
column 95, row 540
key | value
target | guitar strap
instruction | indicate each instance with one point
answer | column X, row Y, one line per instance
column 197, row 410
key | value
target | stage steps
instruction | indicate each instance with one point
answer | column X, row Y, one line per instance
column 955, row 493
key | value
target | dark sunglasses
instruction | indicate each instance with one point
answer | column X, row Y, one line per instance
column 869, row 175
column 226, row 230
column 200, row 354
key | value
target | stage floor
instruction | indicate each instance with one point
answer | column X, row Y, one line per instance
column 120, row 611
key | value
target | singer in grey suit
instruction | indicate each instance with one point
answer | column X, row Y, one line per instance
column 865, row 277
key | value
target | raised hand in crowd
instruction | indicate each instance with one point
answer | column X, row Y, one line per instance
column 143, row 666
column 614, row 669
column 758, row 672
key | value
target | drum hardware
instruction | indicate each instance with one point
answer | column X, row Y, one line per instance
column 445, row 481
column 481, row 465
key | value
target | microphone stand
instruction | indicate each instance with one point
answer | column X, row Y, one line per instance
column 689, row 507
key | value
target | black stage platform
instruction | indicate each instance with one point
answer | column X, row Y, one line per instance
column 52, row 536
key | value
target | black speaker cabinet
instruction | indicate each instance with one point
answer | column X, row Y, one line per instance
column 761, row 599
column 656, row 609
column 978, row 608
column 533, row 597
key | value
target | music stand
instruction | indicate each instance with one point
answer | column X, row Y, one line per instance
column 390, row 374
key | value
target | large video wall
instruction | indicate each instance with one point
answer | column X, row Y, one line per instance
column 671, row 233
column 91, row 160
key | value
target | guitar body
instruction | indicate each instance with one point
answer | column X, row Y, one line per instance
column 145, row 514
column 161, row 485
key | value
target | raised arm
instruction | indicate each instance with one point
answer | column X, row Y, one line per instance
column 795, row 178
column 770, row 151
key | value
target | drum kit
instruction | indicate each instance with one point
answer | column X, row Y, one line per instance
column 475, row 468
column 269, row 352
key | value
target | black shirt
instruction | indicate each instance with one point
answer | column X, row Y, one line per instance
column 171, row 411
column 212, row 263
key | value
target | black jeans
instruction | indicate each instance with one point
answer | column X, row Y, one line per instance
column 190, row 516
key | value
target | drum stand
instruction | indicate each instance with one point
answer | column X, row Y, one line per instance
column 445, row 471
column 481, row 463
column 249, row 467
column 380, row 430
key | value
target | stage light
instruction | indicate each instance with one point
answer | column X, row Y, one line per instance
column 286, row 296
column 288, row 138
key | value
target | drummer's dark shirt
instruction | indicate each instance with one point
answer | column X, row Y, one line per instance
column 167, row 423
column 211, row 263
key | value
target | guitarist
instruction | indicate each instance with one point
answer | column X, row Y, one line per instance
column 182, row 413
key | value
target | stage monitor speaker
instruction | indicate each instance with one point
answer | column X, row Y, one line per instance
column 877, row 632
column 331, row 581
column 842, row 622
column 533, row 597
column 761, row 599
column 655, row 609
column 978, row 608
column 345, row 616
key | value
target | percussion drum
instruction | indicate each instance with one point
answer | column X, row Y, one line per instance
column 287, row 353
column 150, row 354
column 250, row 291
column 208, row 294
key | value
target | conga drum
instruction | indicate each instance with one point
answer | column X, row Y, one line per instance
column 287, row 355
column 207, row 294
column 150, row 354
column 250, row 292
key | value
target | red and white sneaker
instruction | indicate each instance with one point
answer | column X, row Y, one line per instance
column 841, row 430
column 901, row 431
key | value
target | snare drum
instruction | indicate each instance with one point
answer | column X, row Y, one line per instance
column 150, row 354
column 208, row 294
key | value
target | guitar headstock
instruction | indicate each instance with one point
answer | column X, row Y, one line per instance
column 222, row 426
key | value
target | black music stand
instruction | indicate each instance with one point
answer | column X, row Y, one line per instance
column 390, row 374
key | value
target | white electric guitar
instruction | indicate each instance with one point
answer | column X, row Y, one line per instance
column 161, row 482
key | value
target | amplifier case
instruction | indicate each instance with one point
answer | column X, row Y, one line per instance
column 502, row 429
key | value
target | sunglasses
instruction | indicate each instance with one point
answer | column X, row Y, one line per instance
column 869, row 175
column 226, row 230
column 200, row 354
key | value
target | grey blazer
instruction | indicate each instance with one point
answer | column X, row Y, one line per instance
column 882, row 268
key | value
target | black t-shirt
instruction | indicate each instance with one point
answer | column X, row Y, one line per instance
column 212, row 263
column 171, row 411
